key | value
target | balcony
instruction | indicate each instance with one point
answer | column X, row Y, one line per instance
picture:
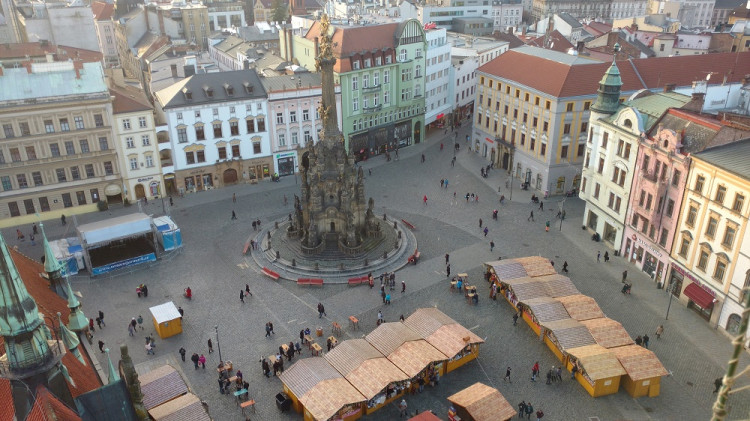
column 511, row 145
column 373, row 108
column 373, row 88
column 648, row 175
column 30, row 366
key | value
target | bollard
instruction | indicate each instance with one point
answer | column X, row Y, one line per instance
column 384, row 218
column 277, row 254
column 294, row 262
column 276, row 224
column 399, row 235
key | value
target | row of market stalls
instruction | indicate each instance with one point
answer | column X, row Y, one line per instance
column 166, row 396
column 115, row 243
column 575, row 329
column 360, row 376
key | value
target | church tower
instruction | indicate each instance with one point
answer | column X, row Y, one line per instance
column 608, row 95
column 32, row 357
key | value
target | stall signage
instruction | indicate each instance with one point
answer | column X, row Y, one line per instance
column 201, row 171
column 151, row 257
column 689, row 276
column 649, row 247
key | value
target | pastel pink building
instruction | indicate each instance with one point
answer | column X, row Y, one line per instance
column 656, row 194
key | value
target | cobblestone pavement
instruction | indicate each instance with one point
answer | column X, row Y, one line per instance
column 212, row 265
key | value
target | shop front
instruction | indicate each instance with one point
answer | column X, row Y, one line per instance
column 384, row 139
column 646, row 255
column 197, row 180
column 286, row 163
column 700, row 298
column 170, row 184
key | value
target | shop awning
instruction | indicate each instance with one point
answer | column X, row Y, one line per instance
column 699, row 296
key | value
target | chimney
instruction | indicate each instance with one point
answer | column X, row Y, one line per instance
column 669, row 87
column 580, row 46
column 695, row 103
column 173, row 67
column 510, row 30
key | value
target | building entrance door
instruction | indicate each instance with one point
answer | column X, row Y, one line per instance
column 140, row 192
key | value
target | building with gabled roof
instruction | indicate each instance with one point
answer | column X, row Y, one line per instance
column 105, row 31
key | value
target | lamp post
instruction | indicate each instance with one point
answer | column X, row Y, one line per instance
column 218, row 345
column 670, row 291
column 562, row 212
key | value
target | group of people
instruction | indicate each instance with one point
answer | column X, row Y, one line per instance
column 526, row 408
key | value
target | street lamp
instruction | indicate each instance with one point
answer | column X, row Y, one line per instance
column 218, row 345
column 562, row 212
column 670, row 291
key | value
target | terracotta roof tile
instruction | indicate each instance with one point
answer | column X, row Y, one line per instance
column 607, row 332
column 350, row 40
column 48, row 407
column 103, row 11
column 555, row 41
column 639, row 362
column 23, row 50
column 425, row 416
column 129, row 99
column 7, row 411
column 483, row 403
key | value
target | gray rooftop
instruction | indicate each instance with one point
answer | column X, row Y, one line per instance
column 731, row 157
column 557, row 56
column 56, row 79
column 211, row 88
column 287, row 82
column 570, row 20
column 254, row 34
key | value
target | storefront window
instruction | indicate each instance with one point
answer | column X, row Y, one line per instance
column 189, row 183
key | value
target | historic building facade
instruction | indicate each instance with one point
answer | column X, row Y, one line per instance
column 57, row 150
column 217, row 130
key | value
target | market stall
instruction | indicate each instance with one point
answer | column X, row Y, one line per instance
column 480, row 402
column 407, row 351
column 581, row 307
column 565, row 334
column 320, row 392
column 373, row 375
column 522, row 267
column 599, row 371
column 524, row 289
column 542, row 310
column 456, row 342
column 187, row 407
column 167, row 319
column 117, row 242
column 607, row 332
column 69, row 252
column 643, row 369
column 161, row 385
column 168, row 234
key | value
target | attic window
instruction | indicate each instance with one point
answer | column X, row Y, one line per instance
column 188, row 95
column 248, row 88
column 229, row 89
column 627, row 123
column 209, row 92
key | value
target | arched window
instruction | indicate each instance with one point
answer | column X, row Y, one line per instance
column 733, row 324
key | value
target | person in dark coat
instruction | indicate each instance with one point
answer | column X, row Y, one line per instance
column 195, row 359
column 266, row 368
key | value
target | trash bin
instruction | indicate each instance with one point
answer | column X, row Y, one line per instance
column 319, row 331
column 283, row 402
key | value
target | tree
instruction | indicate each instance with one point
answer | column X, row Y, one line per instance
column 279, row 11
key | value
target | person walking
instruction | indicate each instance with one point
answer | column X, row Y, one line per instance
column 424, row 199
column 515, row 319
column 531, row 217
column 486, row 231
column 247, row 290
column 242, row 296
column 265, row 367
column 529, row 410
column 480, row 222
column 598, row 256
column 606, row 257
column 382, row 292
column 182, row 353
column 624, row 276
column 659, row 331
column 559, row 374
column 131, row 327
column 639, row 340
column 234, row 216
column 234, row 197
column 541, row 205
column 101, row 345
column 448, row 270
column 422, row 157
column 202, row 361
column 565, row 266
column 380, row 317
column 539, row 415
column 195, row 358
column 645, row 341
column 210, row 346
column 534, row 371
column 492, row 246
column 549, row 377
column 101, row 318
column 99, row 323
column 447, row 258
column 546, row 226
column 402, row 408
column 268, row 329
column 62, row 219
column 91, row 325
column 717, row 384
column 321, row 310
column 403, row 285
column 34, row 229
column 270, row 324
column 507, row 375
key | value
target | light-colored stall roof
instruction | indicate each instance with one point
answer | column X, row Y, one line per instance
column 161, row 385
column 542, row 286
column 184, row 408
column 547, row 309
column 569, row 333
column 639, row 362
column 413, row 356
column 115, row 228
column 521, row 267
column 306, row 373
column 598, row 362
column 607, row 332
column 483, row 403
column 389, row 336
column 165, row 312
column 364, row 366
column 581, row 307
column 441, row 331
column 558, row 285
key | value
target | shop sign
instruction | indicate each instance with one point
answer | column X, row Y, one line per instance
column 197, row 172
column 689, row 276
column 648, row 246
column 489, row 140
column 151, row 257
column 439, row 116
column 141, row 180
column 285, row 154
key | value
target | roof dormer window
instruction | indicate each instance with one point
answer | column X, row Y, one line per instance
column 229, row 89
column 248, row 87
column 188, row 94
column 209, row 92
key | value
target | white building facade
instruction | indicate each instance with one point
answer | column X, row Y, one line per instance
column 506, row 15
column 438, row 100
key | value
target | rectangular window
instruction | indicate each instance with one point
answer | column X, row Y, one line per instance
column 729, row 235
column 605, row 138
column 703, row 260
column 699, row 182
column 64, row 125
column 13, row 208
column 182, row 135
column 15, row 155
column 721, row 268
column 676, row 177
column 142, row 122
column 49, row 126
column 37, row 177
column 21, row 178
column 739, row 202
column 236, row 151
column 569, row 107
column 305, row 115
column 692, row 215
column 222, row 152
column 133, row 163
column 70, row 149
column 234, row 128
column 250, row 125
column 108, row 168
column 596, row 191
column 103, row 144
column 75, row 173
column 282, row 139
column 684, row 246
column 649, row 200
column 600, row 170
column 31, row 153
column 711, row 227
column 61, row 176
column 217, row 130
column 54, row 149
column 98, row 120
column 129, row 142
column 126, row 124
column 190, row 157
column 89, row 168
column 29, row 205
column 261, row 124
column 44, row 204
column 279, row 118
column 78, row 121
column 721, row 192
column 256, row 148
column 81, row 197
column 663, row 237
column 84, row 145
column 8, row 131
column 200, row 156
column 354, row 83
column 67, row 202
column 24, row 126
column 149, row 161
column 6, row 183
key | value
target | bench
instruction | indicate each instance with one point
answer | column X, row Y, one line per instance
column 250, row 403
column 354, row 321
column 414, row 258
column 310, row 281
column 359, row 280
column 336, row 328
column 408, row 224
column 271, row 274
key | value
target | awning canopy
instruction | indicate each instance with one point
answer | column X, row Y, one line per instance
column 112, row 229
column 699, row 296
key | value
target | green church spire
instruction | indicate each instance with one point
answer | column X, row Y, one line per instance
column 608, row 95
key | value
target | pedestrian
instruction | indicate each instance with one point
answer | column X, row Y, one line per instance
column 659, row 331
column 529, row 410
column 549, row 377
column 717, row 383
column 62, row 219
column 420, row 381
column 254, row 226
column 268, row 330
column 182, row 353
column 265, row 367
column 382, row 293
column 507, row 375
column 202, row 361
column 480, row 222
column 573, row 372
column 234, row 197
column 194, row 358
column 321, row 310
column 442, row 182
column 101, row 345
column 171, row 202
column 234, row 215
column 388, row 298
column 448, row 270
column 270, row 324
column 492, row 246
column 541, row 205
column 553, row 371
column 598, row 256
column 422, row 157
column 447, row 258
column 179, row 310
column 546, row 226
column 221, row 385
column 149, row 348
column 534, row 371
column 486, row 231
column 328, row 344
column 624, row 276
column 247, row 290
column 402, row 408
column 645, row 341
column 34, row 229
column 565, row 266
column 425, row 200
column 210, row 346
column 606, row 257
column 131, row 328
column 539, row 415
column 639, row 340
column 531, row 217
column 403, row 285
column 515, row 319
column 242, row 296
column 446, row 184
column 31, row 238
column 559, row 374
column 521, row 409
column 91, row 325
column 380, row 316
column 101, row 318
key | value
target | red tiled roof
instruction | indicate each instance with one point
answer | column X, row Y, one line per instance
column 7, row 411
column 597, row 28
column 48, row 407
column 128, row 99
column 37, row 49
column 556, row 41
column 563, row 80
column 49, row 303
column 356, row 39
column 103, row 11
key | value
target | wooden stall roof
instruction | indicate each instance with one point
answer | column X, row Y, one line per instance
column 161, row 385
column 442, row 332
column 413, row 356
column 598, row 362
column 542, row 286
column 521, row 267
column 348, row 355
column 425, row 416
column 569, row 333
column 639, row 362
column 326, row 398
column 185, row 408
column 306, row 373
column 607, row 332
column 527, row 289
column 389, row 336
column 547, row 309
column 558, row 285
column 483, row 403
column 581, row 307
column 425, row 321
